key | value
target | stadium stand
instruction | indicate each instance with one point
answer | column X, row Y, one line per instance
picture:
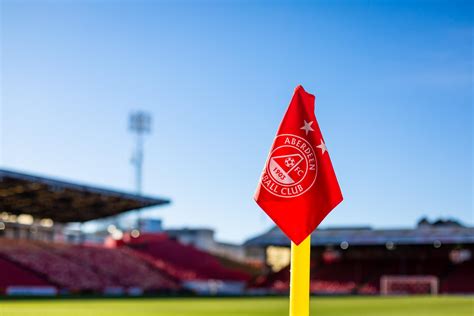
column 184, row 262
column 344, row 260
column 62, row 201
column 197, row 270
column 460, row 280
column 148, row 263
column 13, row 274
column 81, row 268
column 363, row 277
column 353, row 261
column 324, row 280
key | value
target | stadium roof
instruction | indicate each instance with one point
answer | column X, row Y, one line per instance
column 64, row 201
column 373, row 237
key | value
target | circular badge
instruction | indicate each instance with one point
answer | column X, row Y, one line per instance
column 291, row 167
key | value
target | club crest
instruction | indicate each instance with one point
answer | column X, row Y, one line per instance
column 291, row 168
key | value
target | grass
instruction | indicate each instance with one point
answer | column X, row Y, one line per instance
column 342, row 306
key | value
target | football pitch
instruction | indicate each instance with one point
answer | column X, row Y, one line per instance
column 341, row 306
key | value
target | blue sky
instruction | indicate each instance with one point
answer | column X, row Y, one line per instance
column 393, row 82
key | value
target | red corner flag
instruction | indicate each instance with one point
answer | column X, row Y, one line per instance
column 298, row 187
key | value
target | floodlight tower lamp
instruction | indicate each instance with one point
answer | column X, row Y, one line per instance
column 139, row 124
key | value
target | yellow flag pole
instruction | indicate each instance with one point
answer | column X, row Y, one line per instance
column 299, row 278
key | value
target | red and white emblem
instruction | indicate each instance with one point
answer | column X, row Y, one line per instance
column 291, row 168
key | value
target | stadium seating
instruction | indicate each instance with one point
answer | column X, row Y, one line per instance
column 460, row 279
column 57, row 270
column 13, row 274
column 154, row 262
column 322, row 282
column 151, row 263
column 115, row 267
column 183, row 262
column 84, row 268
column 362, row 274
